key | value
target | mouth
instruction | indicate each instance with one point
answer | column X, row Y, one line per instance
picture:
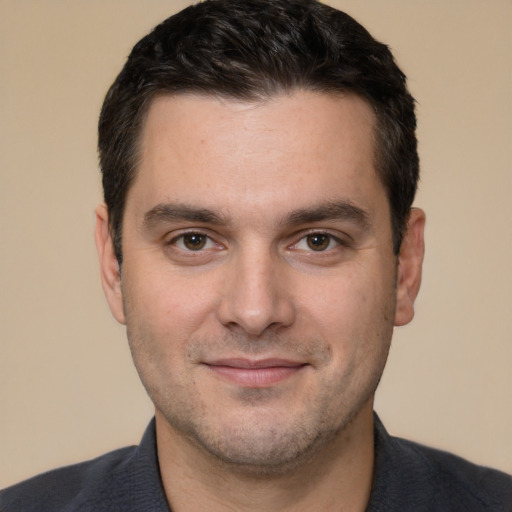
column 251, row 373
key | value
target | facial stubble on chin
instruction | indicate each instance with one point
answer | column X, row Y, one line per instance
column 249, row 447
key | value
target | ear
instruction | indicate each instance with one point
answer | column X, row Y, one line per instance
column 109, row 266
column 410, row 261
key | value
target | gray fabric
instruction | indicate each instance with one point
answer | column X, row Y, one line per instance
column 407, row 477
column 412, row 477
column 124, row 480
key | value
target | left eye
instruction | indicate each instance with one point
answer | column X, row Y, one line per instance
column 317, row 242
column 193, row 242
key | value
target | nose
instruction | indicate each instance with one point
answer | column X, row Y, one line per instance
column 256, row 296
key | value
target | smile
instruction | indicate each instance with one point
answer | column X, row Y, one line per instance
column 255, row 374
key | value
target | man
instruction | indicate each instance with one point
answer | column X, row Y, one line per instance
column 258, row 241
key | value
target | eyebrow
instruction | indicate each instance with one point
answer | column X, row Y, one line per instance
column 171, row 212
column 331, row 210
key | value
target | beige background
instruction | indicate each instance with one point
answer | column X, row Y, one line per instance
column 67, row 387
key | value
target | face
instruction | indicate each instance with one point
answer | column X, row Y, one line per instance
column 259, row 286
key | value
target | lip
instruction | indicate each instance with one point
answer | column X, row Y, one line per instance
column 251, row 373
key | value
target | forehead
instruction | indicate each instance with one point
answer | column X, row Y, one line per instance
column 278, row 150
column 321, row 117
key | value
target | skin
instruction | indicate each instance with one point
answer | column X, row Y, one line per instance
column 259, row 289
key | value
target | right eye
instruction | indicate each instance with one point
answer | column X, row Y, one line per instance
column 193, row 241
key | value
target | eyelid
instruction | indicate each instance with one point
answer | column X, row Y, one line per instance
column 340, row 236
column 341, row 239
column 176, row 236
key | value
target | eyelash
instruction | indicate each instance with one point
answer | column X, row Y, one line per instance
column 208, row 240
column 181, row 237
column 320, row 234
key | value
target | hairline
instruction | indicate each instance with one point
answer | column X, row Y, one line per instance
column 255, row 97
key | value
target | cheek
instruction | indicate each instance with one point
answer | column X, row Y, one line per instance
column 353, row 312
column 166, row 308
column 342, row 299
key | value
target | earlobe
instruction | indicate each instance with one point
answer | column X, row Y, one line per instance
column 109, row 266
column 410, row 263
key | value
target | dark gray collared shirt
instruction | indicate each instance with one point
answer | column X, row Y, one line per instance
column 408, row 478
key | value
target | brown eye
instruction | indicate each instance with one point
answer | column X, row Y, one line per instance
column 194, row 241
column 318, row 241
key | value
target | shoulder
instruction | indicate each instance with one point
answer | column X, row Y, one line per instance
column 423, row 478
column 127, row 479
column 459, row 481
column 64, row 488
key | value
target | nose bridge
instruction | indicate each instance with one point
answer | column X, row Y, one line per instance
column 255, row 296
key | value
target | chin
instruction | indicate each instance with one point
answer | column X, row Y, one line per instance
column 262, row 444
column 261, row 451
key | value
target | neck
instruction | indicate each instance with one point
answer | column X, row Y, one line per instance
column 336, row 478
